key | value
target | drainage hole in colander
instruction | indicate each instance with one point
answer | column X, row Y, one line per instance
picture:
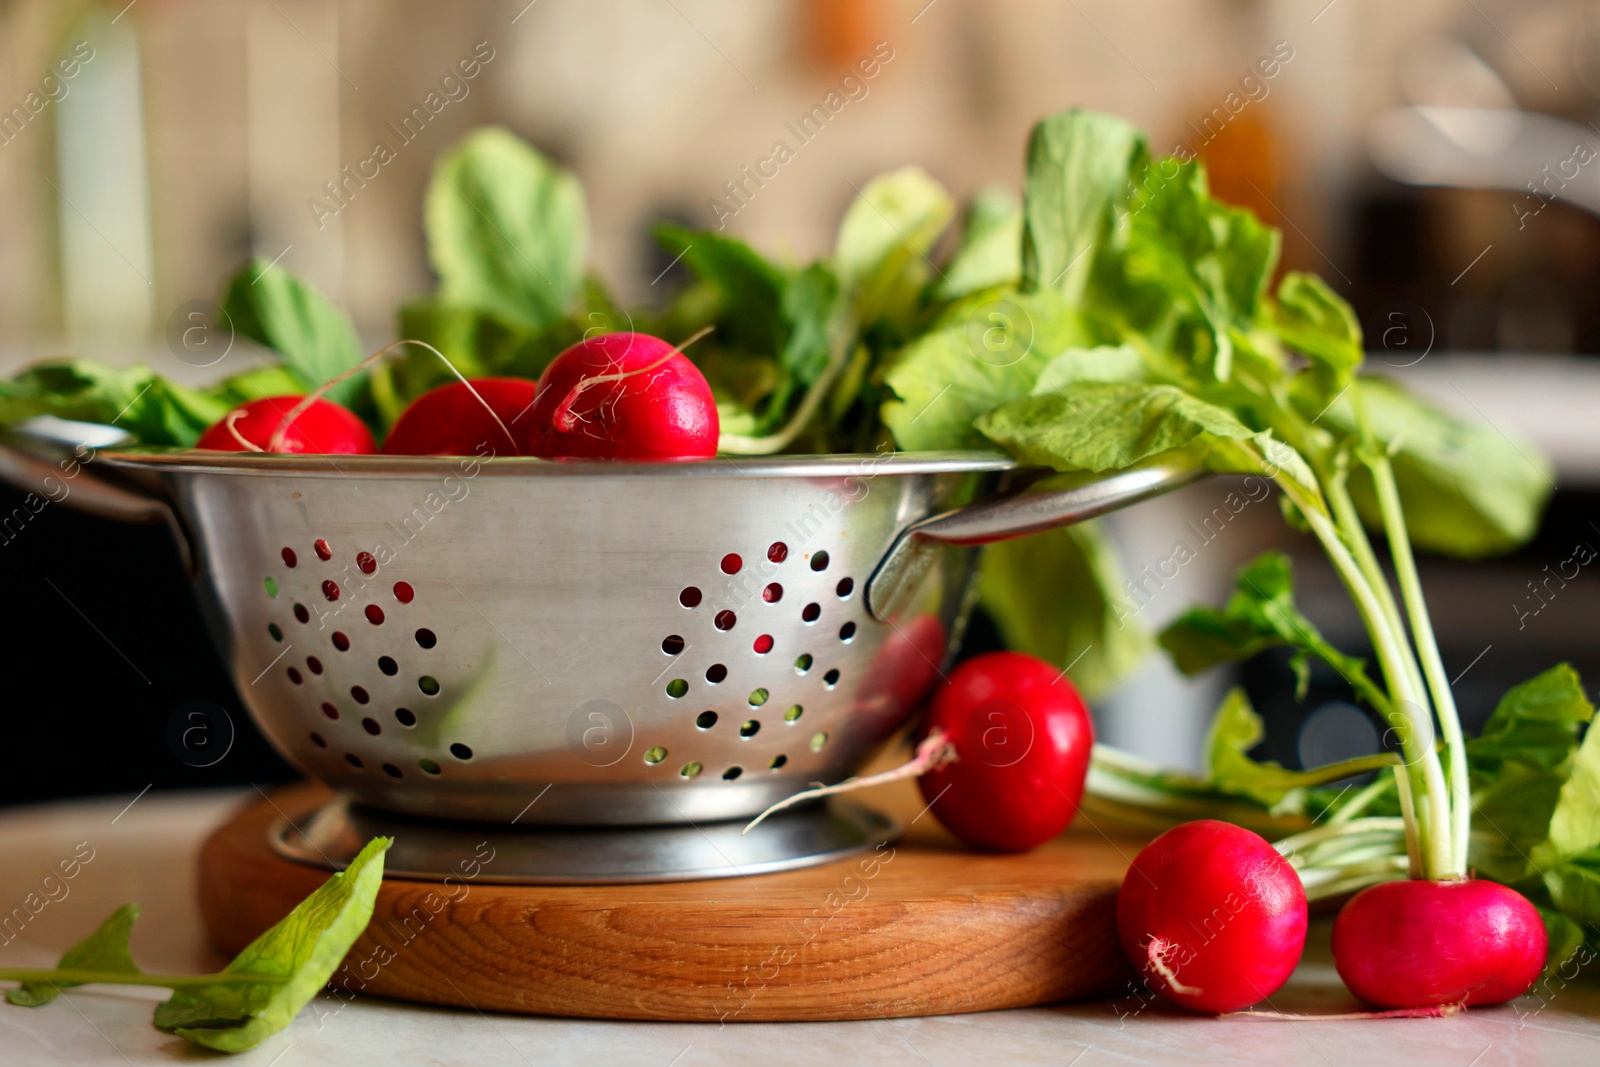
column 388, row 666
column 672, row 644
column 758, row 698
column 371, row 726
column 429, row 685
column 463, row 752
column 778, row 761
column 426, row 638
column 330, row 589
column 811, row 612
column 429, row 766
column 391, row 770
column 368, row 565
column 289, row 558
column 323, row 551
column 352, row 759
column 295, row 676
column 405, row 716
column 794, row 713
column 374, row 615
column 677, row 687
column 803, row 664
column 706, row 720
column 749, row 728
column 691, row 769
column 845, row 587
column 404, row 593
column 778, row 552
column 847, row 631
column 716, row 673
column 725, row 619
column 731, row 563
column 318, row 740
column 817, row 741
column 655, row 755
column 831, row 679
column 731, row 773
column 329, row 710
column 763, row 644
column 273, row 629
column 772, row 593
column 341, row 641
column 689, row 597
column 301, row 613
column 819, row 561
column 359, row 695
column 315, row 664
column 272, row 587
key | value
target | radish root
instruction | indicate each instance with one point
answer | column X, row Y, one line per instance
column 1432, row 1011
column 232, row 423
column 276, row 443
column 934, row 752
column 1156, row 955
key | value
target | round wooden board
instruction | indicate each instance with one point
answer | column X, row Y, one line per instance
column 923, row 927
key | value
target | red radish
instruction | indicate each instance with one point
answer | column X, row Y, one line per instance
column 1415, row 943
column 451, row 421
column 1022, row 739
column 324, row 428
column 1212, row 916
column 623, row 396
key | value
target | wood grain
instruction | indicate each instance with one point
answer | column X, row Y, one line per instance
column 926, row 927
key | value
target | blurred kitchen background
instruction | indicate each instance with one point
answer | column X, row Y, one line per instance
column 1436, row 161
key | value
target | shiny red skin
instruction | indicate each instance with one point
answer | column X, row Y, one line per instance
column 1412, row 944
column 1022, row 737
column 662, row 409
column 1224, row 913
column 449, row 420
column 324, row 428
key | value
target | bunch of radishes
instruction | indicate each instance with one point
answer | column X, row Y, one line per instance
column 611, row 396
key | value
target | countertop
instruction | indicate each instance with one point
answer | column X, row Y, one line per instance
column 143, row 848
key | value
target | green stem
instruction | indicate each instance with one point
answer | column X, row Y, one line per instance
column 1409, row 714
column 1318, row 835
column 73, row 976
column 1405, row 565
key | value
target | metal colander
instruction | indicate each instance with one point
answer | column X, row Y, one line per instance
column 578, row 643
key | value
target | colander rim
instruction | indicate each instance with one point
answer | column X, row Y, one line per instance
column 837, row 465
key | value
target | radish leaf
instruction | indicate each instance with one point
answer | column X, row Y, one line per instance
column 990, row 252
column 275, row 308
column 881, row 252
column 105, row 950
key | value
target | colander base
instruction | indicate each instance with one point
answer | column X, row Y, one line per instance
column 436, row 850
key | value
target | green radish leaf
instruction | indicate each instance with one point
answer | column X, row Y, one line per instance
column 1101, row 426
column 1091, row 634
column 881, row 251
column 1565, row 938
column 1260, row 615
column 990, row 352
column 1468, row 489
column 1235, row 730
column 273, row 307
column 749, row 289
column 1078, row 168
column 272, row 379
column 507, row 229
column 1511, row 809
column 156, row 411
column 104, row 950
column 1103, row 363
column 305, row 948
column 1536, row 723
column 1315, row 321
column 990, row 253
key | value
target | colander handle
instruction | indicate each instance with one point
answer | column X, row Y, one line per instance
column 53, row 460
column 1017, row 512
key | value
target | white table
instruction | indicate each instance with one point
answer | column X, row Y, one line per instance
column 145, row 853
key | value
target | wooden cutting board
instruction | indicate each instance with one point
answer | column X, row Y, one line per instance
column 923, row 927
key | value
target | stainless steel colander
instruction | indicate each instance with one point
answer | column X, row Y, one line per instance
column 552, row 643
